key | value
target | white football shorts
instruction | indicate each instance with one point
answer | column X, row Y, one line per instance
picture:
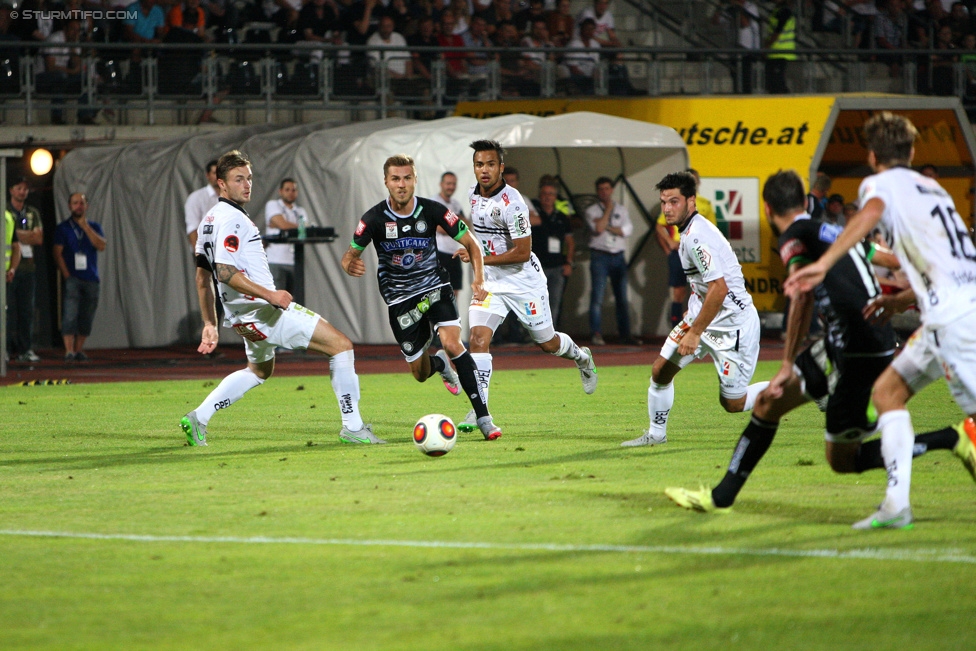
column 268, row 327
column 734, row 352
column 530, row 306
column 949, row 352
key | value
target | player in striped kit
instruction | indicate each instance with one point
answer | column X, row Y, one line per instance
column 939, row 258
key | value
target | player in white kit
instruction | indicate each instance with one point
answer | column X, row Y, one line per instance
column 229, row 249
column 513, row 276
column 939, row 258
column 721, row 320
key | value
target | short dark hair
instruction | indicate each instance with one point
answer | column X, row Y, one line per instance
column 229, row 161
column 287, row 179
column 17, row 179
column 511, row 171
column 587, row 22
column 784, row 192
column 210, row 165
column 681, row 181
column 489, row 145
column 603, row 179
column 890, row 137
column 448, row 173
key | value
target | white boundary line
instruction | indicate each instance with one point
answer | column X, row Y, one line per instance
column 913, row 556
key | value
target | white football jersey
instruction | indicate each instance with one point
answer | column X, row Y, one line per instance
column 498, row 221
column 706, row 256
column 931, row 241
column 228, row 236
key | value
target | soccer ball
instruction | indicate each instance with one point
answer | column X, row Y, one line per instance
column 434, row 435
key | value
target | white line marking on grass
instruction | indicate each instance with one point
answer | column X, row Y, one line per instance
column 914, row 555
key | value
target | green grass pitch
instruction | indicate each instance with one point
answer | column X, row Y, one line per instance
column 277, row 536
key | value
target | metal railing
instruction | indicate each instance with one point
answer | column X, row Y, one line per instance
column 229, row 77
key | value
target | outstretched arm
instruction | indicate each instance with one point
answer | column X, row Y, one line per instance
column 858, row 227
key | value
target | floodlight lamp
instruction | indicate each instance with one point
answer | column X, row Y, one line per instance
column 41, row 162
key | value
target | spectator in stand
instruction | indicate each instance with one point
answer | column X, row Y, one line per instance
column 889, row 26
column 423, row 62
column 743, row 17
column 189, row 16
column 515, row 78
column 77, row 242
column 62, row 73
column 477, row 37
column 561, row 23
column 147, row 26
column 456, row 63
column 959, row 22
column 580, row 67
column 398, row 62
column 463, row 14
column 604, row 31
column 968, row 59
column 40, row 27
column 943, row 65
column 534, row 58
column 316, row 19
column 523, row 20
column 927, row 23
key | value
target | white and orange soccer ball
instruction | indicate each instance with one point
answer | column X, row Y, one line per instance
column 434, row 435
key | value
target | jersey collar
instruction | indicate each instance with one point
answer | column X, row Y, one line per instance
column 413, row 211
column 493, row 194
column 683, row 227
column 231, row 203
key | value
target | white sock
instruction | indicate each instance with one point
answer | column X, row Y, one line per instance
column 897, row 443
column 660, row 398
column 751, row 393
column 345, row 384
column 568, row 349
column 231, row 389
column 483, row 362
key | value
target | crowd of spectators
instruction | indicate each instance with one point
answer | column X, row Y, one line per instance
column 539, row 25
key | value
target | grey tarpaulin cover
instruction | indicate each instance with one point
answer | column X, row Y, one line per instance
column 137, row 192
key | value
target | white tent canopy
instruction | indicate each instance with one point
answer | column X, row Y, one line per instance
column 137, row 192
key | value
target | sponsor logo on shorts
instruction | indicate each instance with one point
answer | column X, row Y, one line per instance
column 250, row 332
column 361, row 228
column 450, row 218
column 478, row 303
column 407, row 347
column 530, row 308
column 726, row 368
column 231, row 243
column 391, row 230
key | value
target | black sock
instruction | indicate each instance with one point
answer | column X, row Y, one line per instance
column 436, row 365
column 869, row 454
column 676, row 313
column 941, row 439
column 753, row 443
column 468, row 375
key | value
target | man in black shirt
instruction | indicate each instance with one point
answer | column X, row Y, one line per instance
column 837, row 371
column 416, row 288
column 553, row 244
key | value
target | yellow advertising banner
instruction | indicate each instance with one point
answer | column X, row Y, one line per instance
column 735, row 144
